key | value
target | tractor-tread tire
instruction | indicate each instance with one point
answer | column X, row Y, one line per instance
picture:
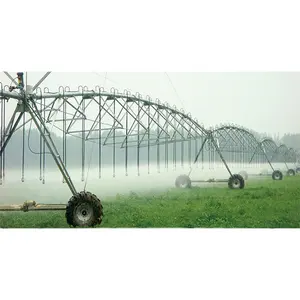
column 291, row 172
column 236, row 178
column 84, row 198
column 277, row 175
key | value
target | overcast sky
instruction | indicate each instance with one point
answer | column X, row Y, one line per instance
column 265, row 102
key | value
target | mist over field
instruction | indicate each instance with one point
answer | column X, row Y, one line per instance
column 13, row 191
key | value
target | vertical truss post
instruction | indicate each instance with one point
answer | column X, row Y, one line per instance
column 158, row 144
column 182, row 148
column 138, row 137
column 41, row 147
column 64, row 134
column 44, row 143
column 83, row 138
column 2, row 131
column 23, row 150
column 195, row 149
column 149, row 135
column 100, row 134
column 114, row 135
column 167, row 140
column 126, row 136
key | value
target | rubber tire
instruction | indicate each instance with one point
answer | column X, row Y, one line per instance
column 277, row 173
column 183, row 180
column 298, row 170
column 291, row 172
column 244, row 174
column 81, row 198
column 233, row 179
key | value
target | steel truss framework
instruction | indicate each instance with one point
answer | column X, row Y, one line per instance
column 278, row 153
column 238, row 144
column 157, row 132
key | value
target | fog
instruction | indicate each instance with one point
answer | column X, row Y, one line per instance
column 13, row 191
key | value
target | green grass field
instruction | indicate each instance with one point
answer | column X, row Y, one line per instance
column 262, row 204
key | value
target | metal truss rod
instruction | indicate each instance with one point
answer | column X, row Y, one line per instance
column 2, row 132
column 41, row 81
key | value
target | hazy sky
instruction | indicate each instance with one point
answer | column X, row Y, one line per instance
column 265, row 102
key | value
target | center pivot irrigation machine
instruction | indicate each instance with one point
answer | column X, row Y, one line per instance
column 122, row 121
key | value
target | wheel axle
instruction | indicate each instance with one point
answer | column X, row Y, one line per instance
column 236, row 181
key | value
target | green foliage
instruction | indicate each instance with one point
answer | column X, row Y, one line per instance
column 262, row 204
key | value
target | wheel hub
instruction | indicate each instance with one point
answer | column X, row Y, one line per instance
column 236, row 183
column 84, row 212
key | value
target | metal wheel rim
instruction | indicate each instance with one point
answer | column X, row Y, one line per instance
column 84, row 212
column 277, row 176
column 236, row 184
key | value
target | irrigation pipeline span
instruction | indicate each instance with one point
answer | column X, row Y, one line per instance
column 155, row 130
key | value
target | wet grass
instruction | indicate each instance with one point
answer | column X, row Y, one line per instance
column 262, row 204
